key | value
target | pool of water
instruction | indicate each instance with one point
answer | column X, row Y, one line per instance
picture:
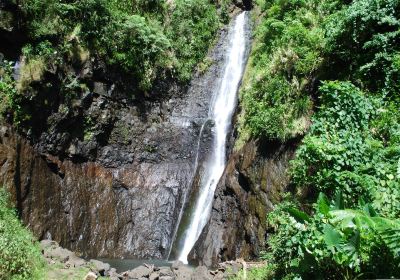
column 122, row 265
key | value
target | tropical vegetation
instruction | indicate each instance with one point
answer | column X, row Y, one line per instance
column 327, row 73
column 20, row 256
column 138, row 42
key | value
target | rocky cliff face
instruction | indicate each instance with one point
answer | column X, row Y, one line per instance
column 107, row 172
column 103, row 173
column 252, row 183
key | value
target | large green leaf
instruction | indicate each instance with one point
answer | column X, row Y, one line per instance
column 332, row 237
column 298, row 215
column 338, row 201
column 323, row 204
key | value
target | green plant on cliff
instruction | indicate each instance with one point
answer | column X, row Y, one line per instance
column 20, row 257
column 286, row 54
column 138, row 46
column 8, row 91
column 135, row 43
column 347, row 149
column 141, row 39
column 352, row 154
column 10, row 98
column 352, row 150
column 192, row 28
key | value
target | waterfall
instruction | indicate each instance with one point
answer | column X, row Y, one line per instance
column 221, row 111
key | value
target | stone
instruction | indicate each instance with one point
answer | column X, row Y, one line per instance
column 99, row 88
column 183, row 272
column 177, row 264
column 141, row 271
column 75, row 261
column 100, row 266
column 166, row 271
column 91, row 276
column 58, row 253
column 201, row 273
column 154, row 276
column 219, row 275
column 46, row 243
column 113, row 275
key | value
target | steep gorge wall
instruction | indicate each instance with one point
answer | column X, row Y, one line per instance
column 251, row 185
column 108, row 176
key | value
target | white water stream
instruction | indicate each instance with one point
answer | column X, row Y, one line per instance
column 221, row 111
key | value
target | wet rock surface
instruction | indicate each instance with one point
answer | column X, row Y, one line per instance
column 106, row 174
column 252, row 183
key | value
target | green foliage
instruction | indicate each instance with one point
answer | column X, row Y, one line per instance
column 9, row 96
column 286, row 54
column 191, row 30
column 334, row 243
column 300, row 41
column 347, row 149
column 352, row 149
column 257, row 273
column 363, row 41
column 20, row 257
column 138, row 46
column 352, row 154
column 140, row 39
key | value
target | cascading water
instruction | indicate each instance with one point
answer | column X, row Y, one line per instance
column 221, row 111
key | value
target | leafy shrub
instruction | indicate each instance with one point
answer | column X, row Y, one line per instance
column 10, row 98
column 191, row 30
column 351, row 151
column 334, row 243
column 20, row 257
column 352, row 154
column 133, row 37
column 340, row 153
column 363, row 42
column 139, row 47
column 285, row 57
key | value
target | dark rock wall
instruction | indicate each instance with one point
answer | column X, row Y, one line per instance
column 252, row 183
column 106, row 175
column 111, row 212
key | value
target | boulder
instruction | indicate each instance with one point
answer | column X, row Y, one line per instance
column 166, row 271
column 46, row 243
column 139, row 272
column 91, row 276
column 100, row 266
column 58, row 253
column 154, row 276
column 113, row 275
column 201, row 273
column 74, row 261
column 183, row 272
column 100, row 88
column 177, row 264
column 231, row 268
column 219, row 275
